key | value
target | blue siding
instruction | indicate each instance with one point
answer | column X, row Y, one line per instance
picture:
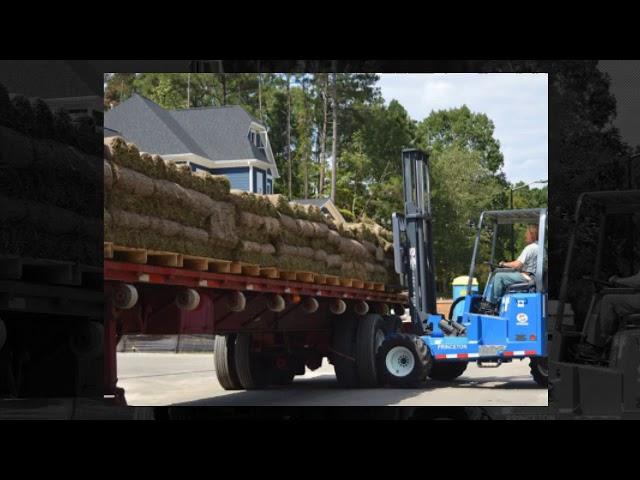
column 269, row 186
column 238, row 176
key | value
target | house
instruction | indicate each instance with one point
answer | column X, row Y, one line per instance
column 325, row 205
column 219, row 140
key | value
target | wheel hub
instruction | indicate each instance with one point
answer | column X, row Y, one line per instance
column 400, row 361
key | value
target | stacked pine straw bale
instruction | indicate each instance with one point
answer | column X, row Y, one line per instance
column 50, row 184
column 150, row 203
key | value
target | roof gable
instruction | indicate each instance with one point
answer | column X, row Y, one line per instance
column 221, row 132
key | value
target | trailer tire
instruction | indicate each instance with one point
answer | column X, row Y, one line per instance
column 371, row 334
column 344, row 346
column 540, row 370
column 252, row 372
column 447, row 371
column 225, row 362
column 415, row 357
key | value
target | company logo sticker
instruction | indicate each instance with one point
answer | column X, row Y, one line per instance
column 522, row 319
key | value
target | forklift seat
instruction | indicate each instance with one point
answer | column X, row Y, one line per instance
column 524, row 287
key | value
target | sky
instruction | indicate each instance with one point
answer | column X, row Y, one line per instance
column 517, row 104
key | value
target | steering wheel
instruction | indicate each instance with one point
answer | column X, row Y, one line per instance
column 492, row 266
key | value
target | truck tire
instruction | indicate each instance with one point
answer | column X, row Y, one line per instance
column 447, row 371
column 370, row 336
column 404, row 361
column 344, row 347
column 540, row 370
column 252, row 372
column 225, row 363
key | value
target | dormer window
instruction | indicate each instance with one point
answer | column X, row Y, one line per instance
column 255, row 138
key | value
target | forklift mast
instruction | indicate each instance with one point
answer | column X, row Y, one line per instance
column 413, row 239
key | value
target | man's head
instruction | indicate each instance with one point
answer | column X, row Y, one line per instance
column 531, row 235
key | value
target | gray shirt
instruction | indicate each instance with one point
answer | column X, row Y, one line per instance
column 529, row 258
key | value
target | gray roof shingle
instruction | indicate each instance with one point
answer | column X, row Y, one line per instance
column 221, row 132
column 150, row 127
column 216, row 133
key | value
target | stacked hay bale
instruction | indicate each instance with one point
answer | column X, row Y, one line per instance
column 150, row 203
column 50, row 184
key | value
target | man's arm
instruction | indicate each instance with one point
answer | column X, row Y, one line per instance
column 632, row 281
column 517, row 264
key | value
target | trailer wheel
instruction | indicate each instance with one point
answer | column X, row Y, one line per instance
column 225, row 363
column 540, row 370
column 404, row 361
column 447, row 371
column 252, row 372
column 343, row 358
column 371, row 335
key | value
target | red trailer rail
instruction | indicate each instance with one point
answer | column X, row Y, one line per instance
column 280, row 315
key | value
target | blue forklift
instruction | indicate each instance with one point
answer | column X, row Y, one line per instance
column 440, row 348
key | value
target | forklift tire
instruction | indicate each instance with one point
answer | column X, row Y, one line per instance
column 344, row 347
column 447, row 371
column 404, row 361
column 224, row 361
column 540, row 370
column 371, row 335
column 252, row 371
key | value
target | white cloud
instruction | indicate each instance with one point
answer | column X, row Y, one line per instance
column 517, row 104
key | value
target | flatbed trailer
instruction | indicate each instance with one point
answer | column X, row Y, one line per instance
column 51, row 331
column 291, row 323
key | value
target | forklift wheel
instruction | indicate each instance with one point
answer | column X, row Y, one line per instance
column 540, row 370
column 404, row 361
column 447, row 371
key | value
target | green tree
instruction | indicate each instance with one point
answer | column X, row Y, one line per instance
column 461, row 128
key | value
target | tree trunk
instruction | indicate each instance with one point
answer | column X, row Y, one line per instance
column 323, row 144
column 260, row 93
column 334, row 147
column 308, row 152
column 289, row 131
column 224, row 89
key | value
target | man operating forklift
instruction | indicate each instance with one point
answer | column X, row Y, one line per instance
column 524, row 268
column 606, row 322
